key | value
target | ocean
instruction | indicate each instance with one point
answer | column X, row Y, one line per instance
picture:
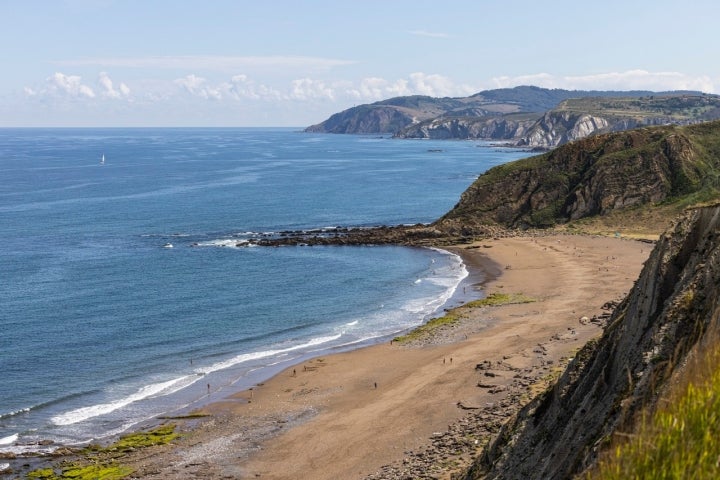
column 127, row 289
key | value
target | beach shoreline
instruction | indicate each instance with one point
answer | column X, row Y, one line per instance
column 387, row 410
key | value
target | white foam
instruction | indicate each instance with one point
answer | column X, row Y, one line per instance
column 16, row 412
column 4, row 466
column 25, row 449
column 351, row 323
column 223, row 242
column 157, row 389
column 448, row 277
column 245, row 357
column 9, row 440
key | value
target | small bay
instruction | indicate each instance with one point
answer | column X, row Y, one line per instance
column 125, row 294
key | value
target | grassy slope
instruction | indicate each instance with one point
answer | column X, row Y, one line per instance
column 696, row 180
column 648, row 221
column 677, row 108
column 679, row 440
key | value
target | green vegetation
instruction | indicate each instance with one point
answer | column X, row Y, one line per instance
column 100, row 463
column 456, row 314
column 427, row 328
column 681, row 440
column 618, row 179
column 188, row 416
column 109, row 471
column 497, row 299
column 159, row 436
column 671, row 107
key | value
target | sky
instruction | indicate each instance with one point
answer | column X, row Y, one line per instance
column 245, row 63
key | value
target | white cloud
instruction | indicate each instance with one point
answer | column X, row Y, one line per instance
column 62, row 86
column 418, row 83
column 424, row 33
column 433, row 85
column 198, row 86
column 67, row 85
column 374, row 88
column 238, row 88
column 107, row 89
column 302, row 96
column 241, row 87
column 309, row 89
column 191, row 83
column 629, row 80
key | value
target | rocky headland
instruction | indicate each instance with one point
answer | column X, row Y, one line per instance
column 523, row 116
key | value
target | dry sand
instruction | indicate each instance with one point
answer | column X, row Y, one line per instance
column 384, row 411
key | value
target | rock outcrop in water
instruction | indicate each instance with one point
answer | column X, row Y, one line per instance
column 669, row 310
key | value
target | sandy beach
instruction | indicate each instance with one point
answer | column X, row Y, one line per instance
column 395, row 409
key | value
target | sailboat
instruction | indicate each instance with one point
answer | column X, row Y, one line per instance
column 102, row 160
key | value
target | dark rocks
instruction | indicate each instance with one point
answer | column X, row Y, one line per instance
column 449, row 451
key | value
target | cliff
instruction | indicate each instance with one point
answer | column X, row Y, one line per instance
column 395, row 115
column 594, row 176
column 387, row 116
column 557, row 128
column 504, row 127
column 670, row 308
column 580, row 117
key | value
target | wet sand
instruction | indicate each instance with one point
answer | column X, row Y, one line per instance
column 426, row 406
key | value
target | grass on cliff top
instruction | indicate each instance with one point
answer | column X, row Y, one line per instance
column 678, row 107
column 100, row 462
column 681, row 440
column 456, row 314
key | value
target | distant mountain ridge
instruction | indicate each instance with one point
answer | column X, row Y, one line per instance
column 524, row 116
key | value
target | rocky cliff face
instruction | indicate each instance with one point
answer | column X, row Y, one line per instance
column 369, row 119
column 491, row 128
column 590, row 177
column 668, row 311
column 557, row 128
column 393, row 115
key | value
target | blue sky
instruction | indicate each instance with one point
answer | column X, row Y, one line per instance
column 293, row 63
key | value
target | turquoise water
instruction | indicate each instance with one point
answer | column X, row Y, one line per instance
column 104, row 326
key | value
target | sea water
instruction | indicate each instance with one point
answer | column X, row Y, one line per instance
column 126, row 291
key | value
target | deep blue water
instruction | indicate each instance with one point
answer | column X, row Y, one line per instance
column 102, row 327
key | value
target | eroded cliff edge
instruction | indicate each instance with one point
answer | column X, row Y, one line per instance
column 672, row 305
